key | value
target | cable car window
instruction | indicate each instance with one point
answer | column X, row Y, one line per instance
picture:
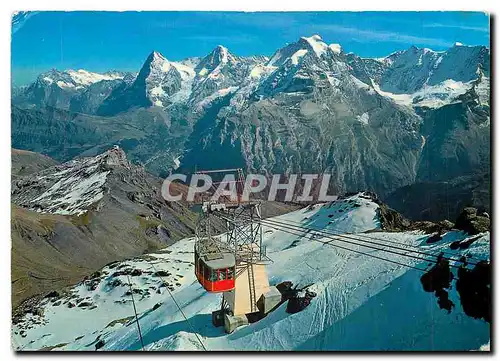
column 206, row 272
column 230, row 273
column 213, row 276
column 222, row 274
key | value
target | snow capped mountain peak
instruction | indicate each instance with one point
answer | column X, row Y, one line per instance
column 155, row 63
column 220, row 49
column 336, row 48
column 313, row 46
column 160, row 78
column 316, row 43
column 155, row 56
column 422, row 77
column 294, row 51
column 51, row 76
column 458, row 44
column 157, row 60
column 296, row 67
column 223, row 54
column 218, row 57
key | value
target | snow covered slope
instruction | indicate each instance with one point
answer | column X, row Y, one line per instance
column 431, row 96
column 362, row 303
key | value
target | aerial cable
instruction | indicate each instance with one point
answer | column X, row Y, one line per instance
column 343, row 236
column 179, row 307
column 358, row 237
column 281, row 228
column 337, row 232
column 341, row 239
column 348, row 249
column 388, row 250
column 135, row 312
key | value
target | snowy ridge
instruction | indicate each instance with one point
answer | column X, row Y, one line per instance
column 317, row 45
column 422, row 77
column 70, row 188
column 78, row 78
column 84, row 77
column 434, row 96
column 351, row 289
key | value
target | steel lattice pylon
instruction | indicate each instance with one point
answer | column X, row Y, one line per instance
column 231, row 226
column 242, row 232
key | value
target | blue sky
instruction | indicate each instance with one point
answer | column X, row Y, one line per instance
column 100, row 41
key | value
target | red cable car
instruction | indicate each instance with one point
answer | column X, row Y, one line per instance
column 215, row 271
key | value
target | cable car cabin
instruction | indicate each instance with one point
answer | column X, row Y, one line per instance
column 215, row 271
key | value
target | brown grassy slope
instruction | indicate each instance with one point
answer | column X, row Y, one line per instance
column 25, row 162
column 36, row 265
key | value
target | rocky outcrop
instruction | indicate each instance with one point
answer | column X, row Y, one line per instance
column 433, row 201
column 469, row 221
column 391, row 220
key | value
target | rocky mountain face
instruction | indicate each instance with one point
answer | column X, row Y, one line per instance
column 375, row 124
column 148, row 136
column 72, row 218
column 459, row 134
column 438, row 200
column 157, row 80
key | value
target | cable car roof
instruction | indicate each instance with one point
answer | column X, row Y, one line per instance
column 219, row 260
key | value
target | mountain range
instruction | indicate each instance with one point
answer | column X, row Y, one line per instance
column 414, row 116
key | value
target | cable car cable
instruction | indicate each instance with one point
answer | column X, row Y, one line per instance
column 179, row 307
column 342, row 236
column 135, row 312
column 358, row 237
column 337, row 238
column 416, row 247
column 280, row 228
column 351, row 250
column 379, row 239
column 341, row 239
